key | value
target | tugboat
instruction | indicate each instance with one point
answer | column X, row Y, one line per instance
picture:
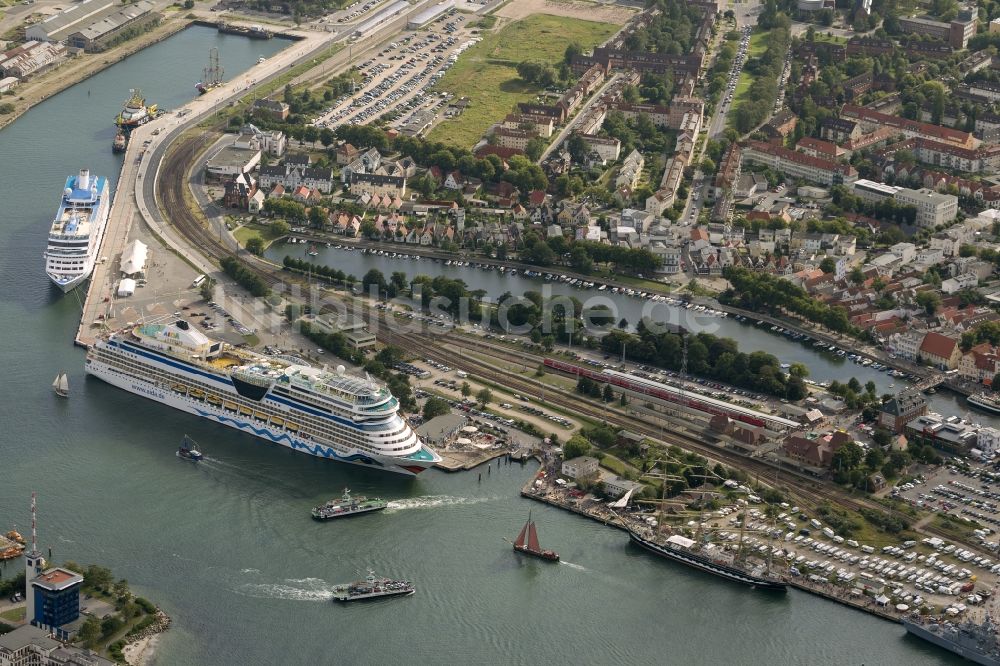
column 372, row 588
column 348, row 506
column 531, row 546
column 135, row 112
column 212, row 75
column 189, row 450
column 119, row 144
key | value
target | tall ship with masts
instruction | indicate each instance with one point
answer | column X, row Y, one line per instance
column 327, row 414
column 212, row 74
column 703, row 555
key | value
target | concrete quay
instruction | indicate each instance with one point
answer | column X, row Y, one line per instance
column 135, row 190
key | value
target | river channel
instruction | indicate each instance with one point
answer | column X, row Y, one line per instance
column 227, row 546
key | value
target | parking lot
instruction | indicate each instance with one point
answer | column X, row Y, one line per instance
column 972, row 493
column 396, row 82
column 929, row 572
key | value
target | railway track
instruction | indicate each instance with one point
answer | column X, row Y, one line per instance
column 175, row 204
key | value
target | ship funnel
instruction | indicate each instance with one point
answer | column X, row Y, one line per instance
column 83, row 180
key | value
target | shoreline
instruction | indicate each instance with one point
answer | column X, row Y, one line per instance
column 54, row 81
column 141, row 648
column 826, row 591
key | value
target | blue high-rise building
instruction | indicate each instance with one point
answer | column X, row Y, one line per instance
column 56, row 595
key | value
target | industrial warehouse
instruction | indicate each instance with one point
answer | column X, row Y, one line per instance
column 93, row 25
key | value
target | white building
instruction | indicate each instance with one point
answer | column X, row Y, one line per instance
column 580, row 466
column 933, row 208
column 964, row 281
column 988, row 440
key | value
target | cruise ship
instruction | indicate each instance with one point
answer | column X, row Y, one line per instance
column 326, row 414
column 987, row 402
column 76, row 233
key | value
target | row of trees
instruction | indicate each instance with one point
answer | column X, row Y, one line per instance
column 759, row 99
column 245, row 277
column 707, row 356
column 762, row 292
column 887, row 209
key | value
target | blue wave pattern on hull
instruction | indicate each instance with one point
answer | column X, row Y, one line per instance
column 318, row 450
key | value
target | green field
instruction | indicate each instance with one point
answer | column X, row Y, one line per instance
column 486, row 73
column 758, row 44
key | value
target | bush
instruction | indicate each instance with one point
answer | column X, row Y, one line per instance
column 6, row 108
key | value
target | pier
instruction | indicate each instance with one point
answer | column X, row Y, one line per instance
column 146, row 146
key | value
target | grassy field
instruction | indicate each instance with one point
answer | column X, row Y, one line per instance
column 486, row 73
column 758, row 44
column 13, row 614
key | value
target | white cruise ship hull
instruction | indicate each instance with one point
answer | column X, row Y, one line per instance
column 273, row 434
column 67, row 284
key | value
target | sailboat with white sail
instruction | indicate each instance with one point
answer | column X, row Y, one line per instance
column 61, row 385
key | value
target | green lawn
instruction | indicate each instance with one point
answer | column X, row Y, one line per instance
column 741, row 88
column 487, row 74
column 265, row 231
column 758, row 44
column 13, row 614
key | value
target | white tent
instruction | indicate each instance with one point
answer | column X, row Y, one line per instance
column 881, row 600
column 134, row 258
column 126, row 287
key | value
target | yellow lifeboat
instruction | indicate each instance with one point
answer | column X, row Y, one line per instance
column 214, row 400
column 246, row 411
column 294, row 427
column 231, row 406
column 277, row 421
column 14, row 535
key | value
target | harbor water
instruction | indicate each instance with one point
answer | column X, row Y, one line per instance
column 227, row 546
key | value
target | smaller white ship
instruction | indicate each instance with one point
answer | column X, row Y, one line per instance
column 76, row 233
column 61, row 385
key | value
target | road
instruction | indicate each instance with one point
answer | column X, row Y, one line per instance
column 556, row 142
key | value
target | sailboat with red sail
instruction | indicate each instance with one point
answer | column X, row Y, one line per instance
column 527, row 542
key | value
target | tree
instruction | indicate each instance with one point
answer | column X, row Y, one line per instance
column 466, row 390
column 89, row 631
column 929, row 300
column 255, row 245
column 609, row 395
column 435, row 407
column 828, row 265
column 120, row 589
column 280, row 228
column 847, row 458
column 485, row 397
column 576, row 446
column 207, row 289
column 535, row 148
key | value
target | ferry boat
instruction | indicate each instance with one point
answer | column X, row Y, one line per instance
column 975, row 642
column 76, row 233
column 189, row 450
column 987, row 402
column 681, row 549
column 372, row 588
column 326, row 414
column 135, row 112
column 348, row 506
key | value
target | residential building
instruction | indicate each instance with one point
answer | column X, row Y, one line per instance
column 7, row 84
column 352, row 328
column 369, row 183
column 899, row 410
column 641, row 61
column 607, row 148
column 798, row 165
column 819, row 148
column 980, row 364
column 540, row 125
column 940, row 351
column 273, row 109
column 959, row 282
column 872, row 120
column 294, row 172
column 513, row 138
column 272, row 142
column 840, row 130
column 933, row 208
column 631, row 169
column 581, row 466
